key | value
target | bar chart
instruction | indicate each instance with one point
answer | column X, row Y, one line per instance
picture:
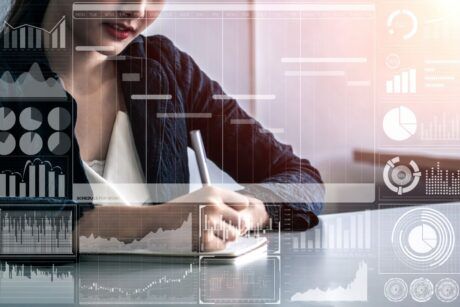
column 39, row 232
column 442, row 182
column 257, row 228
column 37, row 179
column 344, row 233
column 403, row 83
column 441, row 128
column 31, row 37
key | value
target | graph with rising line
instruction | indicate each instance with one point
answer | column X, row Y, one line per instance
column 139, row 282
column 96, row 287
column 31, row 37
column 354, row 291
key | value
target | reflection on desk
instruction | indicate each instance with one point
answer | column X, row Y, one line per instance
column 370, row 258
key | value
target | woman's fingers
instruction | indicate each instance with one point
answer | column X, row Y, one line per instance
column 215, row 239
column 227, row 232
column 233, row 199
column 210, row 242
column 225, row 213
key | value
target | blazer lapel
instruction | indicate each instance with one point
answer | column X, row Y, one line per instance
column 142, row 80
column 161, row 141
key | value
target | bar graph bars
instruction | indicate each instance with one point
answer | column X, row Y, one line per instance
column 257, row 229
column 40, row 232
column 442, row 182
column 31, row 37
column 403, row 83
column 38, row 179
column 441, row 129
column 343, row 233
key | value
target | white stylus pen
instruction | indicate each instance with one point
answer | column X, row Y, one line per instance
column 200, row 154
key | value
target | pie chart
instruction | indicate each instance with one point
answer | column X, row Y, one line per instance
column 422, row 239
column 400, row 123
column 7, row 143
column 31, row 119
column 31, row 143
column 59, row 118
column 59, row 143
column 7, row 118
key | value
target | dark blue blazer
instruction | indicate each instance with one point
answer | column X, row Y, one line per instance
column 247, row 152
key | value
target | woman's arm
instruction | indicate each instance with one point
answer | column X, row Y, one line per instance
column 226, row 212
column 248, row 152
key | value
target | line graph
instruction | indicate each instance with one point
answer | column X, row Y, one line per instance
column 31, row 37
column 355, row 291
column 31, row 85
column 163, row 240
column 141, row 282
column 97, row 287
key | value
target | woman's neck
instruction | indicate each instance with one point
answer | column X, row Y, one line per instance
column 72, row 67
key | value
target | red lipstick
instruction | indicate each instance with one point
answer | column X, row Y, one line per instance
column 119, row 31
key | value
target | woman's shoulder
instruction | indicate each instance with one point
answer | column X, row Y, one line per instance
column 163, row 50
column 162, row 42
column 155, row 47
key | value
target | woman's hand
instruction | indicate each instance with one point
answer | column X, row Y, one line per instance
column 224, row 215
column 255, row 215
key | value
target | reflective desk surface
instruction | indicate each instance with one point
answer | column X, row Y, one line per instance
column 397, row 256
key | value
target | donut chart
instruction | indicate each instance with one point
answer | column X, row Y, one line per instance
column 396, row 290
column 421, row 290
column 447, row 290
column 423, row 239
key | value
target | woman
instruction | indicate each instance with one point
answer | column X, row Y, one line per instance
column 247, row 152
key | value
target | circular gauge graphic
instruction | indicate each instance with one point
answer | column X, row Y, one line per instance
column 393, row 61
column 396, row 290
column 31, row 143
column 59, row 143
column 402, row 24
column 7, row 118
column 400, row 123
column 423, row 239
column 59, row 118
column 401, row 178
column 7, row 143
column 31, row 118
column 421, row 290
column 447, row 290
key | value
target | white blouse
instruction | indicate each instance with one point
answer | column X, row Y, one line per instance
column 119, row 179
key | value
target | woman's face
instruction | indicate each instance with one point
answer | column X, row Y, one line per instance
column 114, row 33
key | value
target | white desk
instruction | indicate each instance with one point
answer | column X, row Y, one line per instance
column 302, row 265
